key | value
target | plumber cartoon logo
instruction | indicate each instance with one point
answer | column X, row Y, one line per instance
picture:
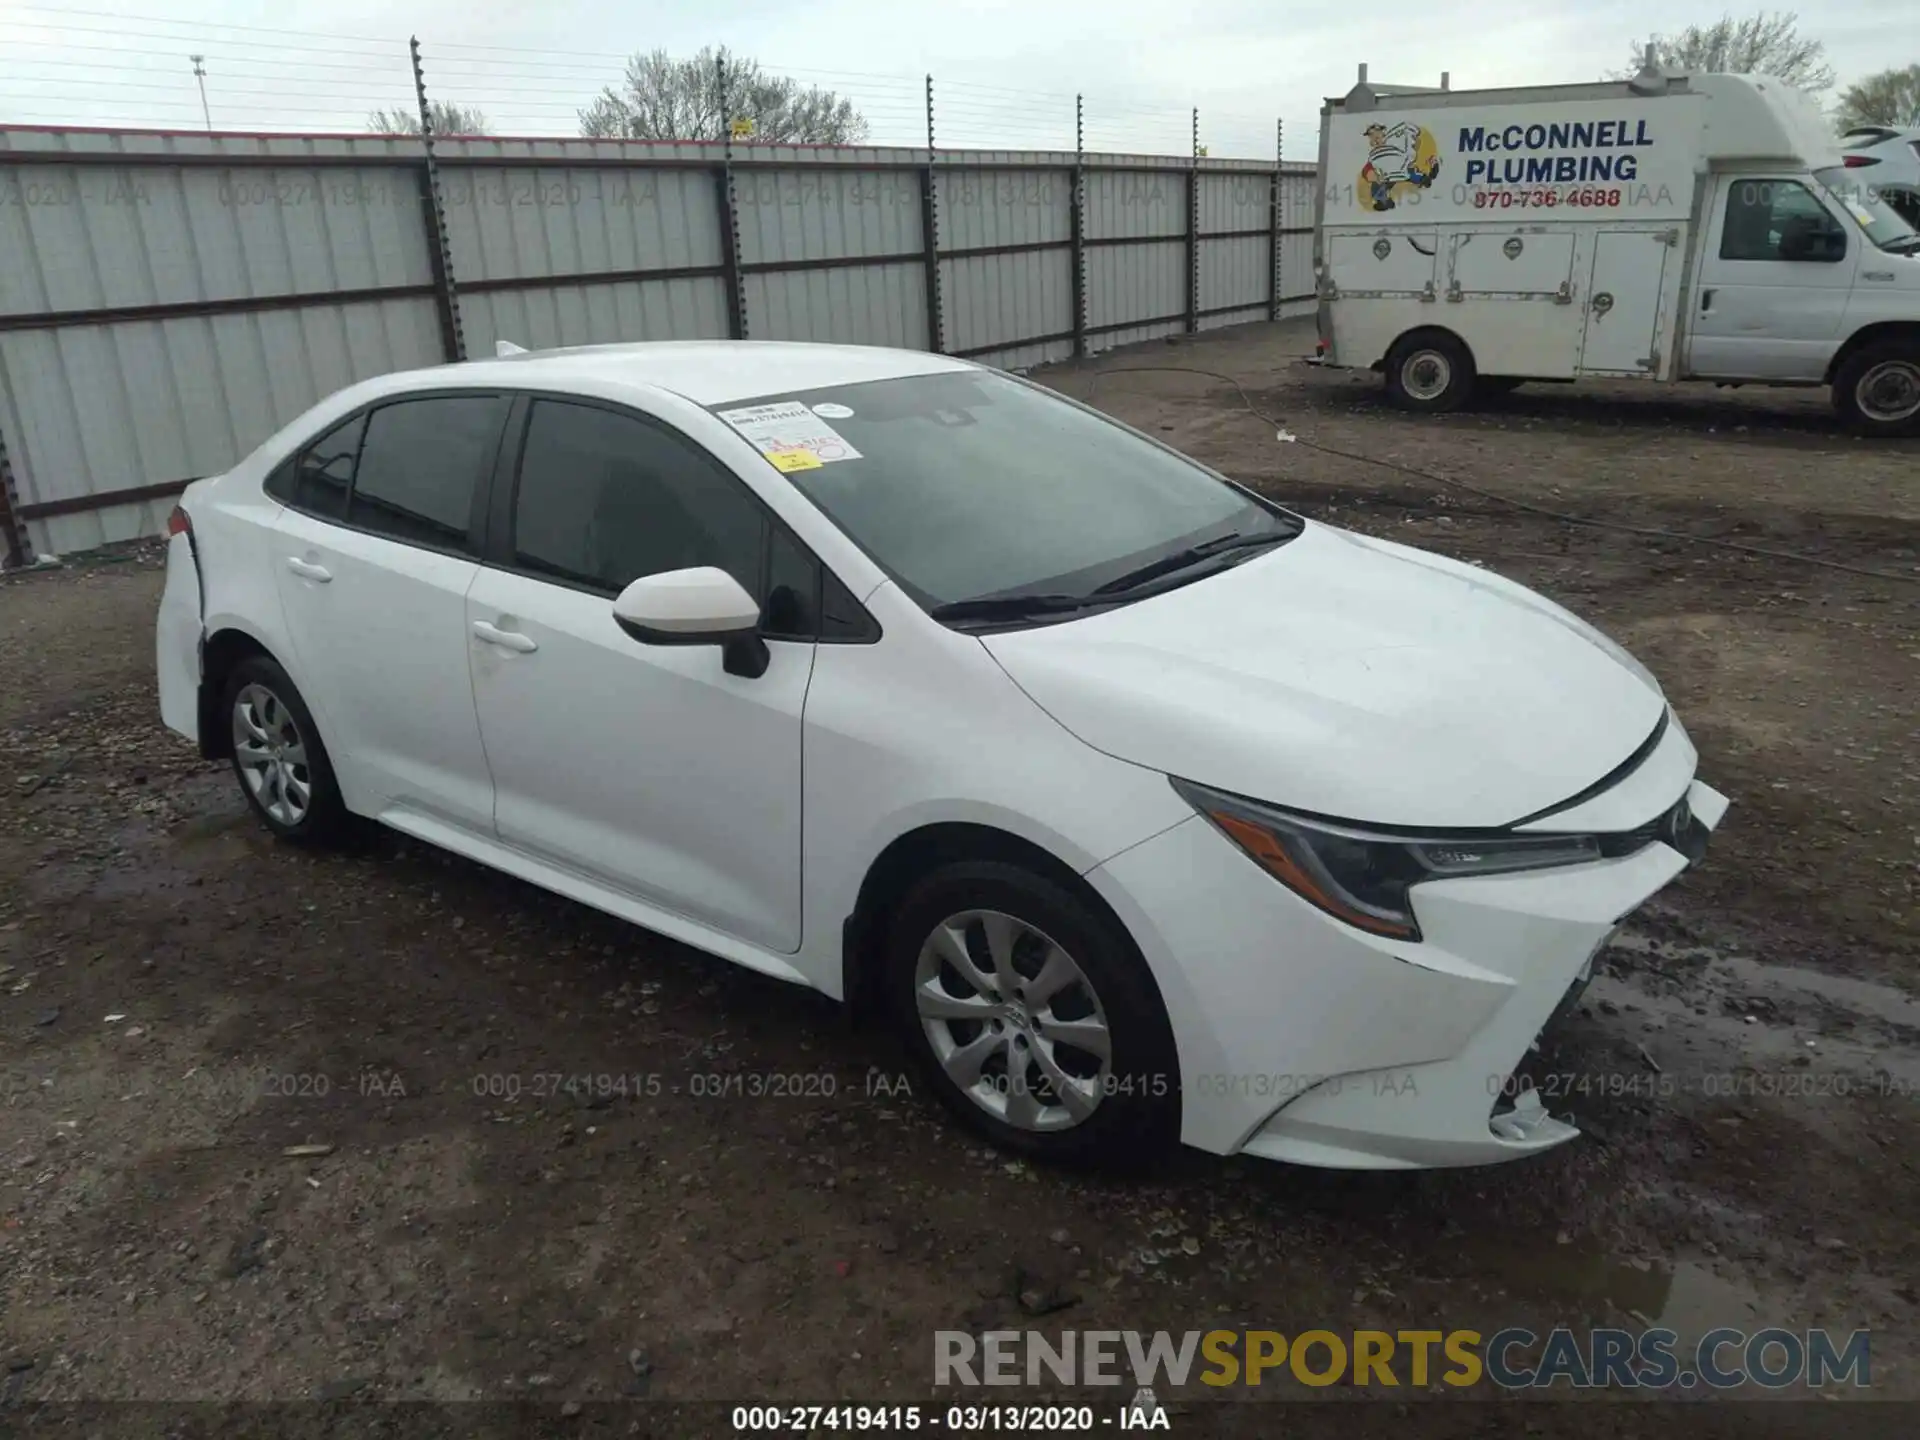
column 1402, row 159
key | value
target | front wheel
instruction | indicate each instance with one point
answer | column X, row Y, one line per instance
column 1877, row 389
column 1033, row 1016
column 1429, row 373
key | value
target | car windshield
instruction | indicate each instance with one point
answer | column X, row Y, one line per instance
column 971, row 485
column 1885, row 226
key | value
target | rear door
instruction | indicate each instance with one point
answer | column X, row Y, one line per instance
column 1624, row 289
column 1775, row 276
column 648, row 768
column 375, row 553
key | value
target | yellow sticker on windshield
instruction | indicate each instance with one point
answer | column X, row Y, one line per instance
column 790, row 460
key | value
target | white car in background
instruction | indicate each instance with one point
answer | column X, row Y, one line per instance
column 1886, row 160
column 1145, row 809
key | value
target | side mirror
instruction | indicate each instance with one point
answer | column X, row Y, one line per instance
column 703, row 605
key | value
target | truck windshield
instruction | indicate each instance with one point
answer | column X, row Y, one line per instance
column 1884, row 225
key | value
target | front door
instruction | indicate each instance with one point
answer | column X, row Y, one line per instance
column 649, row 769
column 373, row 557
column 1776, row 270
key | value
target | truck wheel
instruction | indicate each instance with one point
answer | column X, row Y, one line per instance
column 1877, row 389
column 1429, row 373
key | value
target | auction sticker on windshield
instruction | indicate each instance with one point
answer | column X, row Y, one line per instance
column 791, row 436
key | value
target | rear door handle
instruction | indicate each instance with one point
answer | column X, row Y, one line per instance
column 1706, row 301
column 307, row 570
column 505, row 639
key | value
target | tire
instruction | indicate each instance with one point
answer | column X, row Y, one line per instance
column 1125, row 1110
column 1429, row 373
column 269, row 719
column 1877, row 389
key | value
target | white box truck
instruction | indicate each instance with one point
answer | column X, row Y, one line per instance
column 1668, row 227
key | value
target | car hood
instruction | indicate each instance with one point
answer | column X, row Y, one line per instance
column 1349, row 677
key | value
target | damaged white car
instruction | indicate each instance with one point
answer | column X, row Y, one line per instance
column 1146, row 810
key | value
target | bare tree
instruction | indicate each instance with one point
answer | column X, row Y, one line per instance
column 1890, row 98
column 448, row 119
column 1766, row 43
column 668, row 99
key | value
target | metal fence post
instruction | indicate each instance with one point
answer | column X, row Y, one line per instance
column 453, row 340
column 1274, row 221
column 930, row 234
column 727, row 196
column 1079, row 227
column 1193, row 231
column 12, row 529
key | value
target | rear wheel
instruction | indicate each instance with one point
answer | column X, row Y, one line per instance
column 1877, row 389
column 1033, row 1016
column 277, row 755
column 1429, row 373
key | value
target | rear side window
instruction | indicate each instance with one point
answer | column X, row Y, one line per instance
column 421, row 463
column 605, row 498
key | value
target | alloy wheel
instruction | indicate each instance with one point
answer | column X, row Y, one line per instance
column 1013, row 1020
column 271, row 755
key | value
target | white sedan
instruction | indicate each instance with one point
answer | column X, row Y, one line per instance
column 1144, row 809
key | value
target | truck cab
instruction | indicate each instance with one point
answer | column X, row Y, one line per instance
column 1667, row 228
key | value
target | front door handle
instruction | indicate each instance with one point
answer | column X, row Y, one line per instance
column 1706, row 301
column 505, row 639
column 307, row 570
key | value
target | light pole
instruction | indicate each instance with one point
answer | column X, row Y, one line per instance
column 200, row 76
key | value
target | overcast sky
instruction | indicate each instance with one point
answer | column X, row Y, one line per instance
column 1005, row 70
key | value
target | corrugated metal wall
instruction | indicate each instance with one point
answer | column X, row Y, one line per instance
column 169, row 301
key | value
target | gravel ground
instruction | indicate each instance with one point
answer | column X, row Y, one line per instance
column 276, row 1125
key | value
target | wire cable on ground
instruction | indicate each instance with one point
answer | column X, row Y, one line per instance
column 1517, row 504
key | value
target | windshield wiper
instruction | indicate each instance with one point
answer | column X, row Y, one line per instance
column 1011, row 607
column 1902, row 244
column 1192, row 555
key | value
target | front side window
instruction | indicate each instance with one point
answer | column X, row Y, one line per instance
column 420, row 466
column 605, row 498
column 1779, row 220
column 965, row 485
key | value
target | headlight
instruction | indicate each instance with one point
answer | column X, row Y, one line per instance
column 1363, row 876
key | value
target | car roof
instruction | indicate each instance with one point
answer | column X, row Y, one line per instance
column 707, row 372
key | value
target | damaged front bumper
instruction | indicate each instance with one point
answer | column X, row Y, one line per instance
column 1305, row 1040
